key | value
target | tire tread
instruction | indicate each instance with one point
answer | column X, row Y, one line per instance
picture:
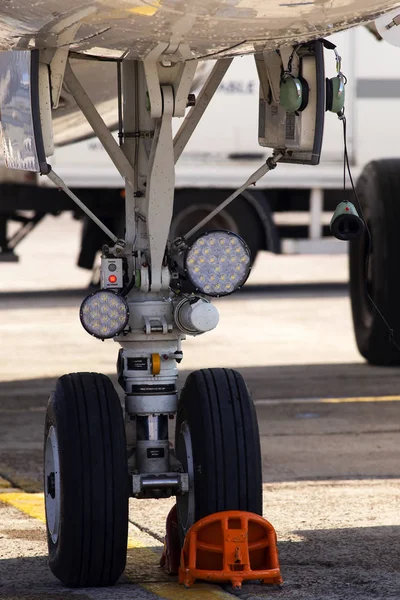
column 377, row 189
column 225, row 439
column 86, row 411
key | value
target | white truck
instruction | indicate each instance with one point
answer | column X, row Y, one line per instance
column 288, row 211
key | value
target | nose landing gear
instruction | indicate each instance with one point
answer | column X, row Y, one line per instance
column 154, row 293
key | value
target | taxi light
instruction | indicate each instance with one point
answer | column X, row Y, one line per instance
column 218, row 263
column 104, row 314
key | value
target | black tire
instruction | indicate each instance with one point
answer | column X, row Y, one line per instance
column 190, row 206
column 90, row 548
column 216, row 407
column 378, row 191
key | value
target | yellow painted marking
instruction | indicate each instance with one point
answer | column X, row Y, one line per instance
column 146, row 10
column 360, row 399
column 30, row 504
column 198, row 591
column 33, row 505
column 289, row 401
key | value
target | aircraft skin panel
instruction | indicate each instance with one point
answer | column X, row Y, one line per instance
column 131, row 28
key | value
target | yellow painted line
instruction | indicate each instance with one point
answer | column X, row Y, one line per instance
column 33, row 505
column 147, row 9
column 360, row 399
column 289, row 401
column 30, row 504
column 174, row 591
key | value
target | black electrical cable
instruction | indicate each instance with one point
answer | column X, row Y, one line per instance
column 120, row 118
column 346, row 163
column 125, row 291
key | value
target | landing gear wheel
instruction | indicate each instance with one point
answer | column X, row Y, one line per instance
column 377, row 189
column 86, row 481
column 218, row 443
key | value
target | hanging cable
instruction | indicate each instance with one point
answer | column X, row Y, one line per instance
column 346, row 164
column 119, row 85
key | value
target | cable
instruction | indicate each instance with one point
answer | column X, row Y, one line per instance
column 120, row 117
column 346, row 162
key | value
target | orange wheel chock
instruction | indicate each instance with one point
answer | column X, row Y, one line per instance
column 172, row 546
column 233, row 546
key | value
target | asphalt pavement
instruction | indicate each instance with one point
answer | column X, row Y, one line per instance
column 329, row 427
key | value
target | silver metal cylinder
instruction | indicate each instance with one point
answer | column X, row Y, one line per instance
column 152, row 447
column 161, row 482
column 145, row 405
column 152, row 428
column 196, row 315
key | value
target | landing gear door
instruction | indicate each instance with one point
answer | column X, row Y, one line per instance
column 25, row 111
column 298, row 133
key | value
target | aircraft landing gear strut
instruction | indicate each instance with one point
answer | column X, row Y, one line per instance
column 153, row 294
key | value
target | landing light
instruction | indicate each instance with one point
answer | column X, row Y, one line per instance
column 104, row 314
column 218, row 263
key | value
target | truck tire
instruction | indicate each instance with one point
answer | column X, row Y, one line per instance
column 378, row 191
column 193, row 205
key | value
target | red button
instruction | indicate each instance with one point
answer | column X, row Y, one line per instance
column 112, row 278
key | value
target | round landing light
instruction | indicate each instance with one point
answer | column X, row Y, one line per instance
column 104, row 314
column 218, row 263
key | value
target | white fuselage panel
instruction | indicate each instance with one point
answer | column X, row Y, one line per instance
column 131, row 28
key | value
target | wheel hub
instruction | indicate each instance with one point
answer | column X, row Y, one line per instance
column 185, row 504
column 52, row 484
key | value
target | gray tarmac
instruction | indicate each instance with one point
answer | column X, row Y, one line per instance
column 329, row 427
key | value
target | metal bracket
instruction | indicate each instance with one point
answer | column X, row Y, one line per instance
column 269, row 67
column 144, row 135
column 175, row 71
column 160, row 325
column 142, row 483
column 57, row 41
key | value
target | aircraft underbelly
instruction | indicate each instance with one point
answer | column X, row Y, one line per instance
column 131, row 28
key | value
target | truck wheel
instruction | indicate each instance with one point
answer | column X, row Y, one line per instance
column 378, row 190
column 239, row 217
column 86, row 481
column 217, row 441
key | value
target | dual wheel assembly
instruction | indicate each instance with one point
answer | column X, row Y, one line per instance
column 86, row 477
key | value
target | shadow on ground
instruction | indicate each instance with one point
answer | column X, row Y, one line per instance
column 282, row 381
column 351, row 564
column 23, row 404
